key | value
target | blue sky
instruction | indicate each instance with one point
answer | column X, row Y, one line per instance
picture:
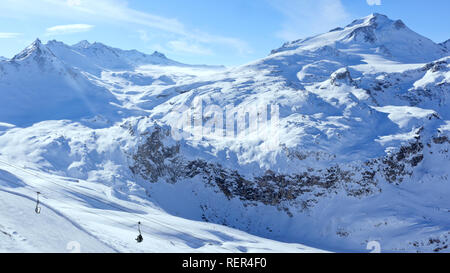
column 226, row 32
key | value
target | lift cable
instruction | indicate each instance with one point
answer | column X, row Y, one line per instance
column 88, row 196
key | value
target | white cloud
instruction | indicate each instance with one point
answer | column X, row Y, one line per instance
column 374, row 2
column 68, row 29
column 118, row 12
column 188, row 47
column 9, row 35
column 303, row 18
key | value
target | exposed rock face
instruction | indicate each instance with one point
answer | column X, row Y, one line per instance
column 399, row 24
column 386, row 87
column 154, row 161
column 342, row 75
column 364, row 34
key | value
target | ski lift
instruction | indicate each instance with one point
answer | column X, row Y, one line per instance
column 139, row 239
column 38, row 207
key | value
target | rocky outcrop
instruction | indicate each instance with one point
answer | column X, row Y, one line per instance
column 341, row 76
column 154, row 161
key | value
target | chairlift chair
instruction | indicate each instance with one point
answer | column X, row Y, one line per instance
column 139, row 239
column 38, row 207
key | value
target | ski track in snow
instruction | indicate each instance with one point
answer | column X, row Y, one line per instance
column 160, row 235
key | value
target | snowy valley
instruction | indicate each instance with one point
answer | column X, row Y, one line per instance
column 356, row 147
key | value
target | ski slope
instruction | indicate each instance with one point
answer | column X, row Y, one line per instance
column 83, row 216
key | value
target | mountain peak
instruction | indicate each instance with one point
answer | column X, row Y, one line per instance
column 98, row 44
column 35, row 49
column 95, row 57
column 36, row 45
column 376, row 24
column 82, row 44
column 378, row 16
column 380, row 19
column 37, row 42
column 374, row 34
column 159, row 54
column 52, row 43
column 373, row 19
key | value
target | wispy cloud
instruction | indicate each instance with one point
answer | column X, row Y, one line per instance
column 119, row 12
column 185, row 46
column 9, row 35
column 68, row 29
column 304, row 18
column 374, row 2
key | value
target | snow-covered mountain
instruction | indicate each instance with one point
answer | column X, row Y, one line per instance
column 97, row 57
column 355, row 148
column 374, row 34
column 57, row 81
column 358, row 128
column 36, row 85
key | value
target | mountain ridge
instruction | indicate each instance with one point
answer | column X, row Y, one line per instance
column 37, row 85
column 446, row 44
column 101, row 57
column 375, row 33
column 96, row 57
